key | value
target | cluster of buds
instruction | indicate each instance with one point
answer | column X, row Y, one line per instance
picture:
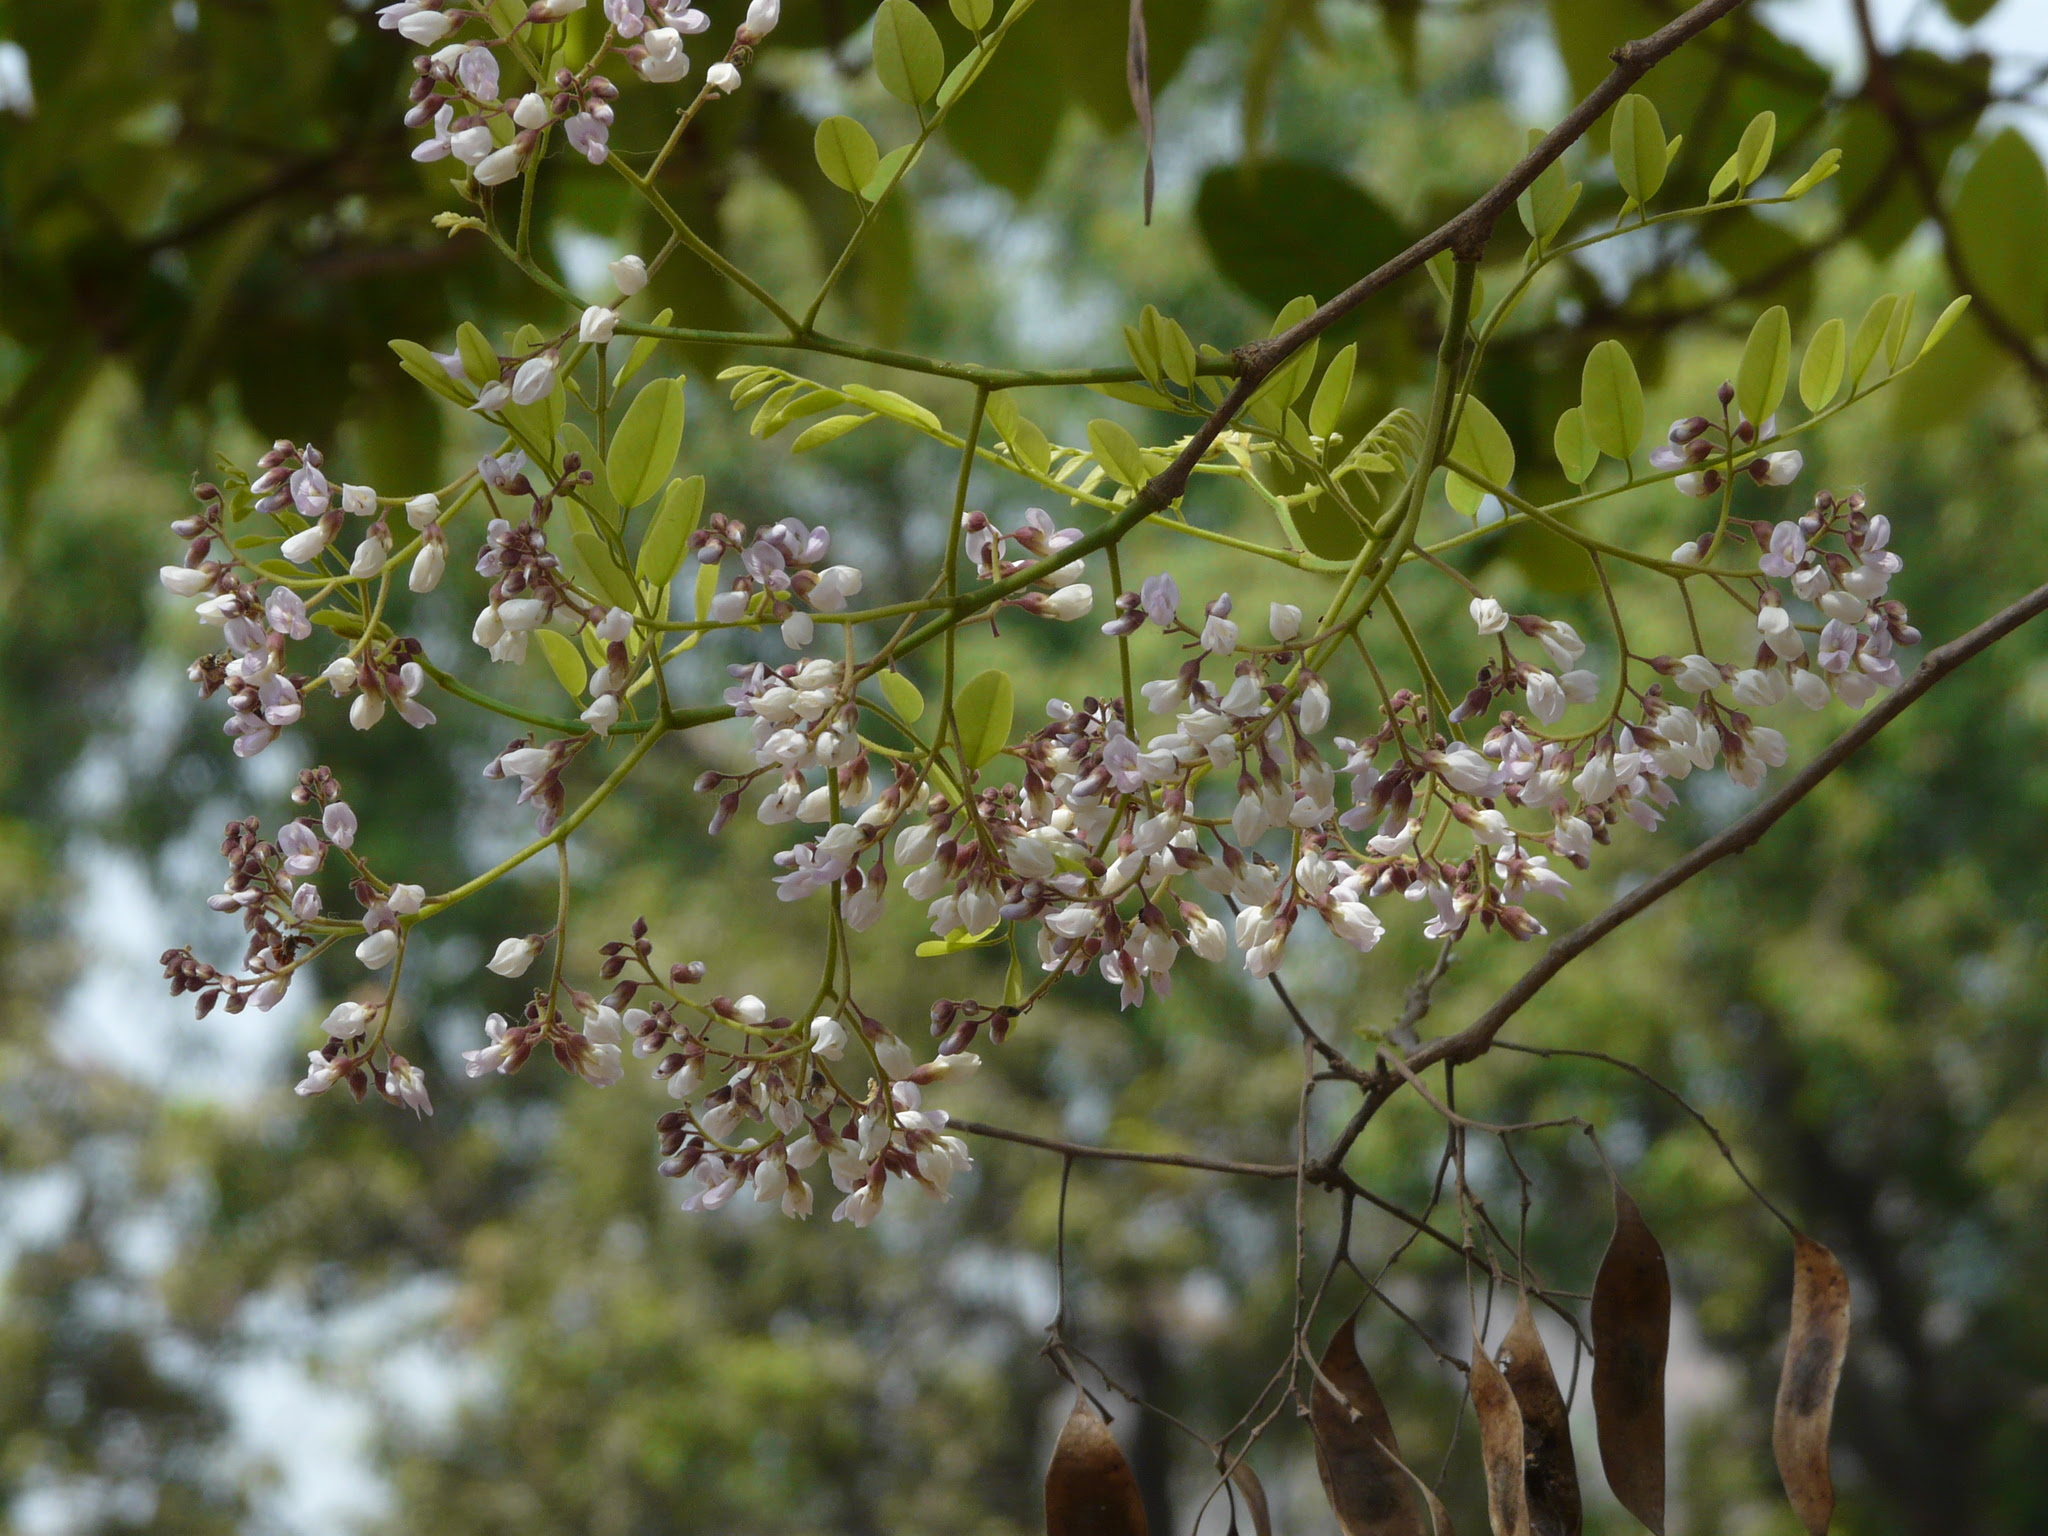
column 780, row 566
column 1709, row 452
column 1066, row 596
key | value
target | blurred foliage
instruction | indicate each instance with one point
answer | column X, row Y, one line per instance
column 206, row 237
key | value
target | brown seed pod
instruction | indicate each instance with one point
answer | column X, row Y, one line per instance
column 1551, row 1472
column 1253, row 1494
column 1089, row 1489
column 1806, row 1387
column 1631, row 1336
column 1359, row 1458
column 1500, row 1447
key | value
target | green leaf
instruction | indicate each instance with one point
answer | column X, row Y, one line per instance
column 2000, row 218
column 885, row 171
column 564, row 661
column 954, row 942
column 1285, row 384
column 973, row 14
column 1176, row 353
column 1766, row 364
column 1331, row 394
column 1577, row 453
column 645, row 445
column 891, row 404
column 1481, row 445
column 1825, row 165
column 1636, row 143
column 1013, row 981
column 479, row 357
column 846, row 153
column 1895, row 333
column 643, row 349
column 830, row 430
column 902, row 695
column 1029, row 443
column 1117, row 452
column 1548, row 201
column 1144, row 349
column 668, row 536
column 910, row 61
column 1754, row 152
column 1942, row 324
column 1135, row 394
column 604, row 572
column 1611, row 396
column 417, row 361
column 1820, row 372
column 1870, row 336
column 981, row 711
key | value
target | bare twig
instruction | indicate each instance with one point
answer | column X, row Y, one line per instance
column 1073, row 1149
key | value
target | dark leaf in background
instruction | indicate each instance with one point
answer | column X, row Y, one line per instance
column 1367, row 1486
column 1946, row 96
column 2000, row 218
column 1631, row 1336
column 1806, row 1390
column 1500, row 1447
column 1248, row 216
column 1551, row 1472
column 1089, row 1489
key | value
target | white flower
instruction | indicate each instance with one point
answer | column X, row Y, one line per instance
column 423, row 511
column 1219, row 633
column 630, row 273
column 182, row 581
column 370, row 555
column 722, row 77
column 339, row 823
column 531, row 111
column 1547, row 701
column 514, row 956
column 320, row 1075
column 17, row 92
column 408, row 1084
column 1810, row 688
column 1488, row 615
column 499, row 166
column 379, row 949
column 428, row 566
column 347, row 1021
column 1581, row 686
column 1070, row 602
column 597, row 325
column 306, row 544
column 602, row 715
column 1783, row 468
column 1696, row 674
column 1283, row 621
column 360, row 500
column 894, row 1057
column 1356, row 924
column 664, row 61
column 828, row 1037
column 406, row 900
column 535, row 379
column 762, row 16
column 1561, row 642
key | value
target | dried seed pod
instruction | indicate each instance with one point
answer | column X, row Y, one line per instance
column 1500, row 1447
column 1253, row 1494
column 1806, row 1388
column 1631, row 1335
column 1551, row 1472
column 1089, row 1489
column 1359, row 1458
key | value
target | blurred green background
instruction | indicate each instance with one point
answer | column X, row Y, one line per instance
column 227, row 1309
